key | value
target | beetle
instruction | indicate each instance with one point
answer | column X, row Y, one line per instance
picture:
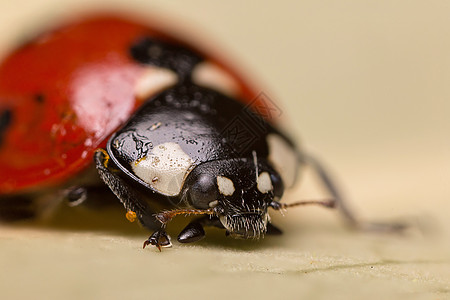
column 173, row 130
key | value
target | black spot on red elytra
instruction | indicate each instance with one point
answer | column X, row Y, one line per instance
column 40, row 98
column 5, row 121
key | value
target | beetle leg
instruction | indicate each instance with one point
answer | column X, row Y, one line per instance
column 159, row 239
column 342, row 205
column 76, row 195
column 193, row 232
column 130, row 200
column 332, row 189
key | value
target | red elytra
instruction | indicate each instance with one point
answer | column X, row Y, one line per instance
column 68, row 90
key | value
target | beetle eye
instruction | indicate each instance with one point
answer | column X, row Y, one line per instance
column 278, row 186
column 203, row 191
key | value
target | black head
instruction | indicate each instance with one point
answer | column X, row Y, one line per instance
column 238, row 190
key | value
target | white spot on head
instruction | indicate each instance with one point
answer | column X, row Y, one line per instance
column 154, row 80
column 164, row 169
column 226, row 186
column 211, row 75
column 284, row 158
column 213, row 204
column 264, row 183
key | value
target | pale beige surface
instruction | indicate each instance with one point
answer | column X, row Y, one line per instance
column 365, row 83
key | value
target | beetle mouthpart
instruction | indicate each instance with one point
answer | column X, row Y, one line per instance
column 246, row 225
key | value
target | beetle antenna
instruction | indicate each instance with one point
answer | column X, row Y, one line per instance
column 326, row 203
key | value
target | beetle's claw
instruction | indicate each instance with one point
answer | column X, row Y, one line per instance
column 146, row 243
column 159, row 239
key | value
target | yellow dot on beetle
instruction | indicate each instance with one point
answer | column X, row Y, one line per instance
column 131, row 216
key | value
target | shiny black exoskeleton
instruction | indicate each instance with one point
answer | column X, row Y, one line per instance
column 200, row 121
column 223, row 141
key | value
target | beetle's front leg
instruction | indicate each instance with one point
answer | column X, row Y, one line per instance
column 159, row 239
column 135, row 206
column 193, row 232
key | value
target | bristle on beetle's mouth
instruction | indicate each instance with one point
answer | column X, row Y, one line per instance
column 246, row 225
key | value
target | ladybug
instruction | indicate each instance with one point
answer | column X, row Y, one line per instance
column 171, row 129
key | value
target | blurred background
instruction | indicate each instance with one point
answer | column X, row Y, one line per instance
column 364, row 85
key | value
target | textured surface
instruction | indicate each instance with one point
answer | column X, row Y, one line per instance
column 366, row 85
